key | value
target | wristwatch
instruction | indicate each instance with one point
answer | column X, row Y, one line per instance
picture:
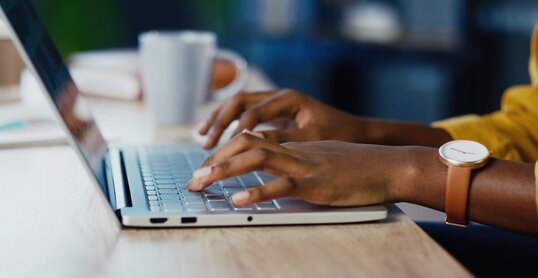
column 461, row 157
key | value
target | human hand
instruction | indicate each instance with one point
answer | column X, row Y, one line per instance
column 324, row 172
column 300, row 118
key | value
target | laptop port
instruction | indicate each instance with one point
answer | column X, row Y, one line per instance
column 158, row 220
column 188, row 220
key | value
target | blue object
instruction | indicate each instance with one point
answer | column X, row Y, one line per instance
column 13, row 125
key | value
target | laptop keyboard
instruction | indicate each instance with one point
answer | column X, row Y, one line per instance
column 166, row 172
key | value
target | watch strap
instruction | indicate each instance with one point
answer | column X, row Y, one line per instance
column 457, row 195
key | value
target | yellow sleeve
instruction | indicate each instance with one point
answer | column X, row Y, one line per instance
column 536, row 180
column 512, row 132
column 533, row 61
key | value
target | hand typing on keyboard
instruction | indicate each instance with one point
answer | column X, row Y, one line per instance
column 324, row 172
column 165, row 173
column 297, row 117
column 338, row 173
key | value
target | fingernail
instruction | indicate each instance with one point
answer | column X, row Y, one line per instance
column 201, row 173
column 190, row 185
column 253, row 133
column 194, row 186
column 240, row 197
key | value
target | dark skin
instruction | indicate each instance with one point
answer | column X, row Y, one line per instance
column 332, row 147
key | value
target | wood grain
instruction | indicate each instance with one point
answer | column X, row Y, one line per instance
column 54, row 225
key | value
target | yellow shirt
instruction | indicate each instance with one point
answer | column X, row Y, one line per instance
column 512, row 132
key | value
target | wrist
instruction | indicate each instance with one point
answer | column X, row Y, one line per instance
column 367, row 131
column 420, row 175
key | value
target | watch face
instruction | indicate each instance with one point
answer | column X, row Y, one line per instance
column 463, row 152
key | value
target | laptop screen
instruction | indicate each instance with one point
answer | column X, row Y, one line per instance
column 52, row 72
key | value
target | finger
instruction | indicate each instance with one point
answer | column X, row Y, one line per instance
column 226, row 115
column 284, row 104
column 253, row 160
column 253, row 133
column 209, row 122
column 241, row 143
column 275, row 189
column 291, row 135
column 231, row 111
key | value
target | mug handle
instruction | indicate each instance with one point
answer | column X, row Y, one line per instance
column 240, row 79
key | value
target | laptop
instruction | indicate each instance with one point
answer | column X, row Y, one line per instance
column 145, row 185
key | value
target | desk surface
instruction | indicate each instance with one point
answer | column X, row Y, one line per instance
column 54, row 225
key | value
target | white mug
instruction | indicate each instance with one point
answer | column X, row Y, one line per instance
column 176, row 69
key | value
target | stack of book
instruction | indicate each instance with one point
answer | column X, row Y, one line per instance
column 10, row 67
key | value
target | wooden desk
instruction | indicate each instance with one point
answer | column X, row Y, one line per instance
column 53, row 225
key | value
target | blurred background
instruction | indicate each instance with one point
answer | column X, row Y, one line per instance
column 418, row 60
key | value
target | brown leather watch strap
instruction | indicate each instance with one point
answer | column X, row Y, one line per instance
column 457, row 195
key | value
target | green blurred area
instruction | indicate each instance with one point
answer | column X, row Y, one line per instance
column 77, row 25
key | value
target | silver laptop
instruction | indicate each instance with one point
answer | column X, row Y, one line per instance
column 145, row 185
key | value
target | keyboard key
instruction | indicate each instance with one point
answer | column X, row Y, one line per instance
column 172, row 207
column 153, row 203
column 171, row 201
column 233, row 190
column 182, row 185
column 182, row 174
column 218, row 205
column 266, row 206
column 166, row 186
column 168, row 191
column 191, row 200
column 162, row 173
column 196, row 160
column 154, row 208
column 250, row 180
column 159, row 162
column 190, row 194
column 230, row 182
column 167, row 181
column 163, row 177
column 213, row 186
column 152, row 198
column 251, row 207
column 213, row 192
column 196, row 207
column 149, row 183
column 169, row 197
column 151, row 192
column 215, row 197
column 150, row 187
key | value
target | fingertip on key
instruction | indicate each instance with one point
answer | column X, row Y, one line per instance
column 241, row 197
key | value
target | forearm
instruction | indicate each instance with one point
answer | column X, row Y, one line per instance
column 501, row 194
column 402, row 133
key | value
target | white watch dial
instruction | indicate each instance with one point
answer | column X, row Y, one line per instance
column 463, row 151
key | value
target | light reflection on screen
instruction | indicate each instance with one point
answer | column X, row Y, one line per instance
column 54, row 75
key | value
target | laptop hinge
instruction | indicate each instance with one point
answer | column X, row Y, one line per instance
column 121, row 195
